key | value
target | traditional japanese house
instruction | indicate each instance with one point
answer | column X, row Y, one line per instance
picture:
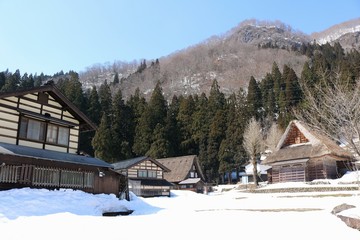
column 185, row 173
column 39, row 134
column 303, row 154
column 145, row 176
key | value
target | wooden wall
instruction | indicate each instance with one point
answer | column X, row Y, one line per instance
column 145, row 165
column 294, row 136
column 10, row 108
column 17, row 171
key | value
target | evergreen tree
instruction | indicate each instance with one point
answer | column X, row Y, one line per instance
column 137, row 105
column 116, row 79
column 268, row 96
column 2, row 79
column 121, row 128
column 184, row 119
column 11, row 82
column 200, row 129
column 102, row 141
column 94, row 107
column 293, row 93
column 154, row 114
column 278, row 81
column 171, row 126
column 254, row 99
column 105, row 98
column 160, row 144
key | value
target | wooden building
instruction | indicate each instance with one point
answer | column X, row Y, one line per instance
column 303, row 154
column 145, row 176
column 39, row 135
column 185, row 173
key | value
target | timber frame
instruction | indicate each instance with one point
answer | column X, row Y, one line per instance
column 145, row 176
column 39, row 135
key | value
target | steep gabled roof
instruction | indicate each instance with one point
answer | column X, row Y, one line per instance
column 316, row 145
column 180, row 167
column 128, row 163
column 85, row 122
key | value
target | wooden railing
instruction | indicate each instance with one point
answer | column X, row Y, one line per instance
column 45, row 177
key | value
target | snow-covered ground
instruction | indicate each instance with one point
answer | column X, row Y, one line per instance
column 226, row 213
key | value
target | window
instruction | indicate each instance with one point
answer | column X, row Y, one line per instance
column 57, row 135
column 152, row 174
column 32, row 129
column 142, row 173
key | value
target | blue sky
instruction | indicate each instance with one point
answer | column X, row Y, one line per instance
column 53, row 35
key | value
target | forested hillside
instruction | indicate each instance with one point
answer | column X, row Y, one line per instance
column 199, row 100
column 210, row 125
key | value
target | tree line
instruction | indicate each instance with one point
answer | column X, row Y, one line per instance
column 210, row 126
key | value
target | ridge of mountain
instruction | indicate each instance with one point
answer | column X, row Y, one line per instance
column 249, row 49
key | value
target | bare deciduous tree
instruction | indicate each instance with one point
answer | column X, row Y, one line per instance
column 253, row 144
column 334, row 110
column 273, row 137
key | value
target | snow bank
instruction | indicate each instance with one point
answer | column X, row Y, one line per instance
column 40, row 202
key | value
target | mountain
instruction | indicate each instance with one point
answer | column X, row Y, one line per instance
column 249, row 49
column 346, row 33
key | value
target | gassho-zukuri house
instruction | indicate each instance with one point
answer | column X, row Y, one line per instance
column 39, row 138
column 303, row 154
column 185, row 173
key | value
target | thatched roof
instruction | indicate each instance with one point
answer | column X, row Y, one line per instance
column 318, row 145
column 180, row 167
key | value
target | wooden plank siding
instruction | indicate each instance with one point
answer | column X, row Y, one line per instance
column 10, row 111
column 132, row 172
column 54, row 175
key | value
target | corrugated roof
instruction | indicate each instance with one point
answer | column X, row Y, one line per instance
column 11, row 149
column 180, row 167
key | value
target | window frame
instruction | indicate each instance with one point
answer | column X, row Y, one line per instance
column 23, row 131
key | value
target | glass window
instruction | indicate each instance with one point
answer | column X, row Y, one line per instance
column 63, row 136
column 35, row 130
column 142, row 173
column 52, row 132
column 152, row 174
column 32, row 129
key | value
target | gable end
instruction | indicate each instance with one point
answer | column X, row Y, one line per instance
column 294, row 136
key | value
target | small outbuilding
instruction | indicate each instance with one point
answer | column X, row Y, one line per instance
column 303, row 154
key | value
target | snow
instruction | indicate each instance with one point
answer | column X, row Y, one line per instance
column 225, row 213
